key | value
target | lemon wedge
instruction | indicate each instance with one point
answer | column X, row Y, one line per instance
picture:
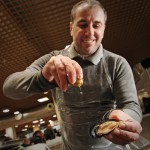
column 78, row 83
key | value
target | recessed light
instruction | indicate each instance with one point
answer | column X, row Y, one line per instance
column 24, row 129
column 6, row 110
column 16, row 112
column 26, row 126
column 42, row 122
column 35, row 121
column 45, row 92
column 43, row 99
column 54, row 116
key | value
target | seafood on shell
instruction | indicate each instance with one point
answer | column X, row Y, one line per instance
column 107, row 126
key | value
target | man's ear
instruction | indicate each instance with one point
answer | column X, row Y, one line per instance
column 103, row 31
column 71, row 28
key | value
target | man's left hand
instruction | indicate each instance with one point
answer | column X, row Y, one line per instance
column 127, row 132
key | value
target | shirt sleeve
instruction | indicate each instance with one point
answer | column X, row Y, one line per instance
column 124, row 90
column 28, row 82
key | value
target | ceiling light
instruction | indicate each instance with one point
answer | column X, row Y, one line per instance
column 26, row 126
column 36, row 121
column 6, row 110
column 16, row 112
column 45, row 92
column 24, row 129
column 43, row 99
column 51, row 122
column 42, row 122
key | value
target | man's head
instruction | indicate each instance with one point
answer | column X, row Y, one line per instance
column 38, row 133
column 88, row 19
column 49, row 127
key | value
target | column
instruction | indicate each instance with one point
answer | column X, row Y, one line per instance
column 11, row 132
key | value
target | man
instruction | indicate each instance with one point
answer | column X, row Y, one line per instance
column 108, row 89
column 49, row 133
column 38, row 137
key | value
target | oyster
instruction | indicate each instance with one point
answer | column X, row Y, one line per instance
column 106, row 127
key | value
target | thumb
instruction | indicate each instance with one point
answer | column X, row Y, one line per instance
column 119, row 115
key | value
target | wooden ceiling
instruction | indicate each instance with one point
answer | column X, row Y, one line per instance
column 32, row 28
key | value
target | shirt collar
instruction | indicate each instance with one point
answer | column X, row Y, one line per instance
column 94, row 58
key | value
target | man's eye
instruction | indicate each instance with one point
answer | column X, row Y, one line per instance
column 82, row 26
column 97, row 26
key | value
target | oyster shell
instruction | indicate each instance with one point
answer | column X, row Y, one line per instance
column 106, row 127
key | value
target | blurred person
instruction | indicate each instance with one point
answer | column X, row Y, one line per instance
column 26, row 142
column 21, row 146
column 38, row 137
column 7, row 139
column 39, row 146
column 108, row 90
column 49, row 133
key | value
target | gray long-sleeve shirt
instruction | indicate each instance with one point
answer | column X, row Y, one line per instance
column 108, row 81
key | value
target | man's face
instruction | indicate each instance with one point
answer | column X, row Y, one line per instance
column 87, row 29
column 49, row 127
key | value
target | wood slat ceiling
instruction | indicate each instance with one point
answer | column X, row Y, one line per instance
column 32, row 28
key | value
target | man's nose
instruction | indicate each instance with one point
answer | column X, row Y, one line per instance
column 89, row 30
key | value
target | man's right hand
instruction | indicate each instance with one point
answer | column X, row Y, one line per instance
column 63, row 70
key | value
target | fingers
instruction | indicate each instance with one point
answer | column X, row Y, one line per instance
column 122, row 137
column 131, row 126
column 119, row 115
column 78, row 70
column 128, row 124
column 49, row 73
column 128, row 130
column 60, row 74
column 73, row 70
column 63, row 70
column 116, row 140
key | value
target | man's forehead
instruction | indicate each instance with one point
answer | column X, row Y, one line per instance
column 86, row 21
column 84, row 14
column 86, row 7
